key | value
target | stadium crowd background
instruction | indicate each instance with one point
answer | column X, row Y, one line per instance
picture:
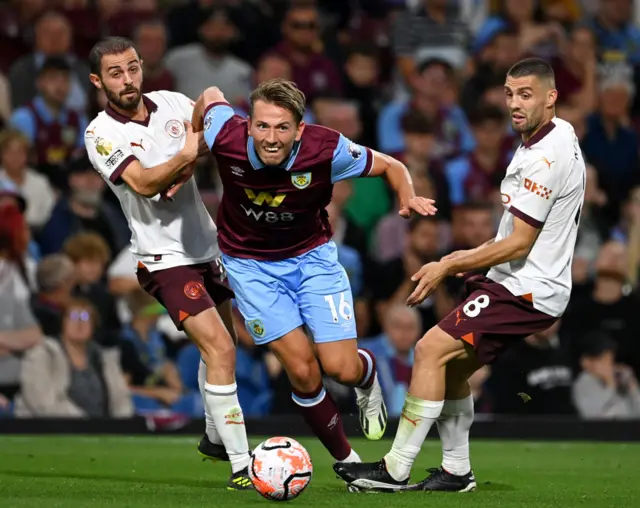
column 419, row 79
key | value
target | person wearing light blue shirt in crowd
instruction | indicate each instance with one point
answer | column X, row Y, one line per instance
column 434, row 82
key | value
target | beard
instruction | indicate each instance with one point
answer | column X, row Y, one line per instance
column 121, row 101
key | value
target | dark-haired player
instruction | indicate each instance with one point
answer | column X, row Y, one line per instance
column 525, row 291
column 141, row 144
column 274, row 233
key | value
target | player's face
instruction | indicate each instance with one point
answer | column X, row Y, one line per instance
column 274, row 131
column 528, row 99
column 121, row 79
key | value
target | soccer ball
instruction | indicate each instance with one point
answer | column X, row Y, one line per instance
column 280, row 468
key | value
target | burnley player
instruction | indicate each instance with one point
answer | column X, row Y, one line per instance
column 141, row 144
column 524, row 292
column 274, row 233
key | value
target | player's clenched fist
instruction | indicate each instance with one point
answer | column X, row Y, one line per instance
column 211, row 95
column 191, row 144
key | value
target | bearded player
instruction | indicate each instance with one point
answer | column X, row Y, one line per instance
column 141, row 145
column 274, row 233
column 524, row 292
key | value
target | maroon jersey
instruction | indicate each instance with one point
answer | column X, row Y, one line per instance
column 275, row 213
column 55, row 142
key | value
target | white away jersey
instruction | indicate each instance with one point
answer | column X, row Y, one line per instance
column 164, row 233
column 544, row 186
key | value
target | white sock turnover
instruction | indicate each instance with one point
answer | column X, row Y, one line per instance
column 453, row 426
column 415, row 421
column 222, row 404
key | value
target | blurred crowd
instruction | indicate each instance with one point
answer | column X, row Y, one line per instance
column 421, row 80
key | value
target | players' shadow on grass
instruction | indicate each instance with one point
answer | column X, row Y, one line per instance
column 178, row 482
column 494, row 486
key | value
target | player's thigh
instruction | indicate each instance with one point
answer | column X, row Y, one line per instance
column 269, row 309
column 326, row 301
column 295, row 352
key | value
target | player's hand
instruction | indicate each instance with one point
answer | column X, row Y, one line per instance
column 423, row 206
column 428, row 278
column 180, row 181
column 191, row 144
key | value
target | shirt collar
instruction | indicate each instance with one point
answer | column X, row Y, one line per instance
column 539, row 136
column 255, row 161
column 150, row 105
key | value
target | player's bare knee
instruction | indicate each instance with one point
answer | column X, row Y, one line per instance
column 436, row 348
column 347, row 371
column 305, row 375
column 217, row 349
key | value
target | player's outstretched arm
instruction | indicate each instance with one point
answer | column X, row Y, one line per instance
column 515, row 246
column 150, row 181
column 397, row 174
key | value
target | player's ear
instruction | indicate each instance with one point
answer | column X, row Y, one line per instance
column 301, row 127
column 552, row 97
column 95, row 79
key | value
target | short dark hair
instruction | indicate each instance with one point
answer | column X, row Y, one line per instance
column 414, row 122
column 486, row 113
column 416, row 220
column 108, row 46
column 54, row 63
column 282, row 93
column 533, row 67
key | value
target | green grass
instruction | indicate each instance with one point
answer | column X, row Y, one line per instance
column 96, row 472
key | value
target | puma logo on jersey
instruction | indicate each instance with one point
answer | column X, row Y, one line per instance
column 90, row 132
column 137, row 145
column 458, row 318
column 546, row 161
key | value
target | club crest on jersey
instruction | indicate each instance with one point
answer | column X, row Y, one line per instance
column 207, row 122
column 256, row 327
column 174, row 128
column 103, row 147
column 301, row 180
column 354, row 150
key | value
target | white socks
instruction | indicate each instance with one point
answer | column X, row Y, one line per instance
column 453, row 426
column 415, row 421
column 224, row 420
column 210, row 425
column 352, row 457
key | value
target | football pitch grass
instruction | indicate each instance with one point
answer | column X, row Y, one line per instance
column 159, row 471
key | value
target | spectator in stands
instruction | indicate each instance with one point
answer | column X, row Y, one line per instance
column 610, row 144
column 610, row 306
column 210, row 63
column 473, row 224
column 52, row 38
column 35, row 188
column 402, row 328
column 19, row 330
column 313, row 71
column 84, row 209
column 604, row 389
column 152, row 376
column 55, row 131
column 56, row 279
column 5, row 101
column 576, row 71
column 476, row 176
column 73, row 377
column 392, row 281
column 151, row 42
column 434, row 24
column 534, row 376
column 434, row 84
column 492, row 61
column 90, row 255
column 362, row 78
column 616, row 34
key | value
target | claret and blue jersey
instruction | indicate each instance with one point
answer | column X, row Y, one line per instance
column 274, row 232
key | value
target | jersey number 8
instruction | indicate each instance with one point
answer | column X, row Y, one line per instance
column 345, row 310
column 473, row 307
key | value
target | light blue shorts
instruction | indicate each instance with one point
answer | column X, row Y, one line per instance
column 276, row 297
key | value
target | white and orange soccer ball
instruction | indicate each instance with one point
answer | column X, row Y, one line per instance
column 280, row 468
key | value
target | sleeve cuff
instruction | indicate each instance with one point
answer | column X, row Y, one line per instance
column 369, row 165
column 535, row 223
column 213, row 105
column 117, row 173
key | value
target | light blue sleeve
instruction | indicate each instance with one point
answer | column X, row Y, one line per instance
column 214, row 120
column 350, row 160
column 456, row 173
column 22, row 120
